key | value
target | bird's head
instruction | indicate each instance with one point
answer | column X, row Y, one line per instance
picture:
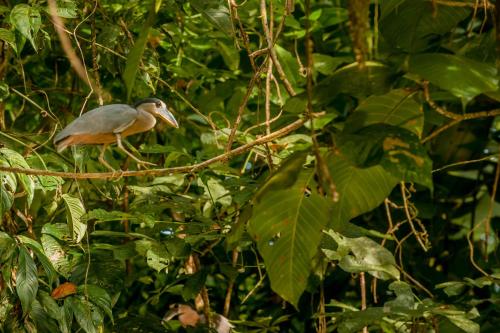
column 158, row 109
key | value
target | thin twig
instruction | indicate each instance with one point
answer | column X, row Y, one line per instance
column 362, row 286
column 241, row 109
column 244, row 35
column 268, row 95
column 487, row 227
column 180, row 169
column 230, row 287
column 66, row 45
column 471, row 251
column 441, row 130
column 410, row 218
column 95, row 65
column 272, row 51
column 488, row 4
column 322, row 169
column 497, row 33
column 486, row 158
column 322, row 328
column 455, row 116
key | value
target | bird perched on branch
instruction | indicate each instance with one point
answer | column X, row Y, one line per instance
column 111, row 123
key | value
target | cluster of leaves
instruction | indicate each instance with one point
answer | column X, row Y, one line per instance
column 371, row 190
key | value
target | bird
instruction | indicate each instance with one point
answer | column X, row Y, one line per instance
column 111, row 123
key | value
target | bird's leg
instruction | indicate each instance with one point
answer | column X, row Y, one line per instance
column 120, row 145
column 102, row 160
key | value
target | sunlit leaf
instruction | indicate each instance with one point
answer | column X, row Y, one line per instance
column 57, row 255
column 27, row 20
column 74, row 213
column 9, row 37
column 367, row 256
column 459, row 319
column 158, row 257
column 463, row 77
column 66, row 9
column 397, row 108
column 405, row 299
column 327, row 65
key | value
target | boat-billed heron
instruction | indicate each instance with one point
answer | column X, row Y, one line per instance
column 110, row 123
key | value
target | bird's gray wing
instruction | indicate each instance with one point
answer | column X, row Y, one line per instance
column 104, row 119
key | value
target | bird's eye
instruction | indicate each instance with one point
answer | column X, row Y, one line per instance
column 158, row 104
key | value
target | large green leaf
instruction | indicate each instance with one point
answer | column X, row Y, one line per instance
column 26, row 279
column 411, row 25
column 57, row 255
column 42, row 321
column 374, row 78
column 397, row 150
column 74, row 213
column 135, row 55
column 463, row 77
column 66, row 8
column 290, row 66
column 99, row 297
column 360, row 190
column 54, row 311
column 27, row 21
column 7, row 246
column 327, row 65
column 397, row 108
column 85, row 314
column 42, row 257
column 287, row 224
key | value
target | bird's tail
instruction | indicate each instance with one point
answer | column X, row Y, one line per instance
column 62, row 144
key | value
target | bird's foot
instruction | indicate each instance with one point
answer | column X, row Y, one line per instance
column 139, row 162
column 144, row 164
column 117, row 175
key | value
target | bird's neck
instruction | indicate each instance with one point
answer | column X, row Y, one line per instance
column 146, row 119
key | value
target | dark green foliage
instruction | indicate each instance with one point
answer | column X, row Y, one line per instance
column 385, row 185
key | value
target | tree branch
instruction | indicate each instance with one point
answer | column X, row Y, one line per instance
column 180, row 169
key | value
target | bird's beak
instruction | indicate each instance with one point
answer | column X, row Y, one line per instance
column 168, row 117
